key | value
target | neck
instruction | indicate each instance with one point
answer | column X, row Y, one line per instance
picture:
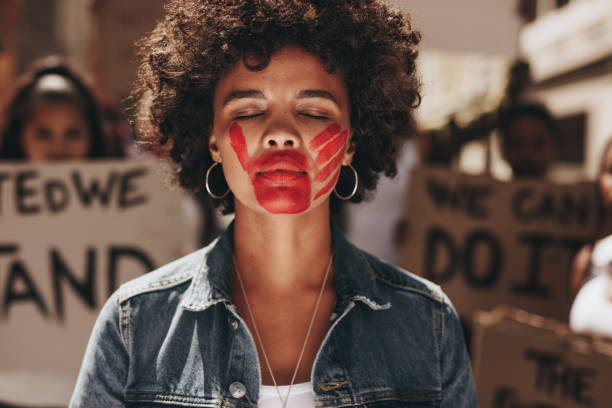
column 282, row 252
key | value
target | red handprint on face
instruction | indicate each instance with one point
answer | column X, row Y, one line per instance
column 330, row 146
column 281, row 178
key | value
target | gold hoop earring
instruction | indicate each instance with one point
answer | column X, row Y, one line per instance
column 208, row 190
column 354, row 188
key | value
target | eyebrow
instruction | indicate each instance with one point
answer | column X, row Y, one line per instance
column 243, row 94
column 317, row 93
column 307, row 93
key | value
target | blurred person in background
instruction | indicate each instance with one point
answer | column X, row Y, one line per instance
column 52, row 116
column 591, row 279
column 529, row 137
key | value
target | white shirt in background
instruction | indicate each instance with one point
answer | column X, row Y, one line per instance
column 592, row 310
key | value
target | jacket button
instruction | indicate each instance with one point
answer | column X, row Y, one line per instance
column 234, row 324
column 237, row 389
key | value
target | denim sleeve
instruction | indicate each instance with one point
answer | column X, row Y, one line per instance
column 458, row 390
column 104, row 369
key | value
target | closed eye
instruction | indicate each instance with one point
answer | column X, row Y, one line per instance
column 248, row 116
column 314, row 116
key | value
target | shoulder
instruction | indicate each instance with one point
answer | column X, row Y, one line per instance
column 591, row 308
column 396, row 281
column 166, row 277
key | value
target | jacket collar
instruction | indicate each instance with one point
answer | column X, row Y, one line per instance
column 211, row 283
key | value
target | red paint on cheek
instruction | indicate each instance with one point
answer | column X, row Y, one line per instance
column 330, row 155
column 333, row 147
column 327, row 188
column 324, row 137
column 238, row 143
column 324, row 173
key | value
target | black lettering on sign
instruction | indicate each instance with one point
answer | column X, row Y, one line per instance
column 56, row 195
column 17, row 273
column 85, row 289
column 572, row 245
column 127, row 188
column 94, row 191
column 529, row 204
column 478, row 279
column 33, row 195
column 115, row 254
column 22, row 192
column 532, row 284
column 467, row 197
column 437, row 240
column 521, row 206
column 556, row 377
column 574, row 207
column 3, row 176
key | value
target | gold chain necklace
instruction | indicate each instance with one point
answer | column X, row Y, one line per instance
column 312, row 319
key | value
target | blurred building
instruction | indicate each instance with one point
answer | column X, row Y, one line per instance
column 97, row 36
column 467, row 54
column 569, row 50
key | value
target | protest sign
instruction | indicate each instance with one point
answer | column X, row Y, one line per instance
column 70, row 234
column 488, row 242
column 525, row 360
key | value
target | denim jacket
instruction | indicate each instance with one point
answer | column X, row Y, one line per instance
column 174, row 337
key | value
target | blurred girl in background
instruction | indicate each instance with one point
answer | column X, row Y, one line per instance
column 52, row 116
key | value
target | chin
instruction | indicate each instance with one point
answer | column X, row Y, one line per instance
column 284, row 202
column 285, row 207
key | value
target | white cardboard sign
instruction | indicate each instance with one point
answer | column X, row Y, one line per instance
column 70, row 234
column 488, row 242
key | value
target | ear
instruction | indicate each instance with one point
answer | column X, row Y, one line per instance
column 350, row 152
column 213, row 148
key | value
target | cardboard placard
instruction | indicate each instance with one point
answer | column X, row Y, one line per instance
column 70, row 234
column 488, row 242
column 524, row 360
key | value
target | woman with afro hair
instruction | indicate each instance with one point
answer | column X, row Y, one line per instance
column 280, row 110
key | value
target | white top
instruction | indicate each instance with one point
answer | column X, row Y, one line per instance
column 602, row 254
column 592, row 311
column 301, row 396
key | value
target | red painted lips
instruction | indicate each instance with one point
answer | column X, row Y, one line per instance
column 282, row 167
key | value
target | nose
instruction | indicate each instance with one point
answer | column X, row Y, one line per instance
column 281, row 132
column 281, row 139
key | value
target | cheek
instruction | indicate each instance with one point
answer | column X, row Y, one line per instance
column 239, row 146
column 235, row 177
column 328, row 158
column 33, row 148
column 82, row 146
